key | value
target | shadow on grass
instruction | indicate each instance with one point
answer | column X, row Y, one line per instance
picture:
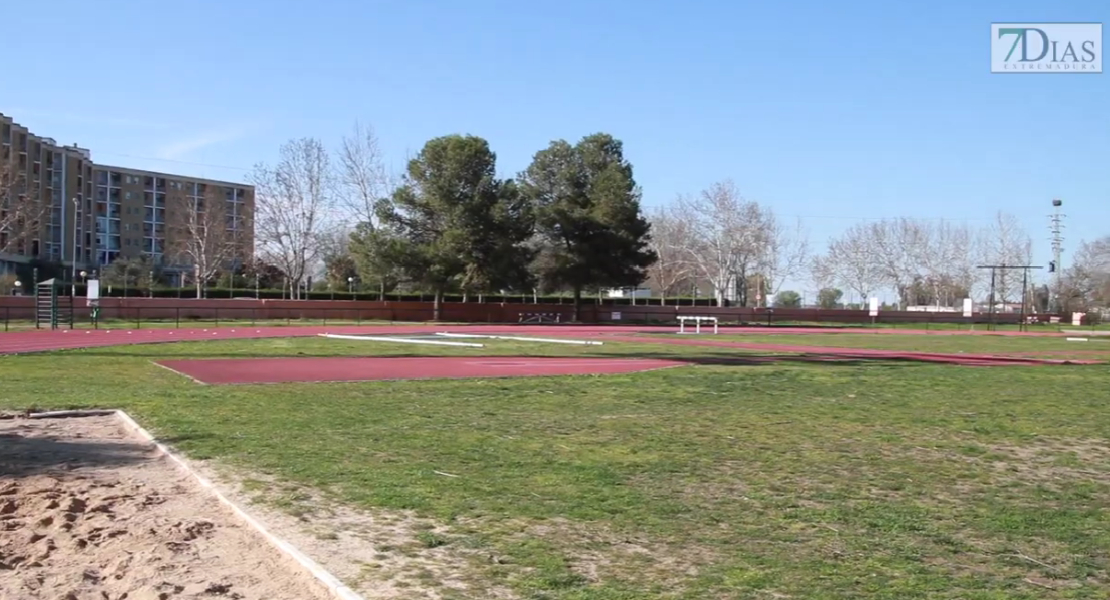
column 24, row 453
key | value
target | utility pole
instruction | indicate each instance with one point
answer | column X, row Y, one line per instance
column 1056, row 220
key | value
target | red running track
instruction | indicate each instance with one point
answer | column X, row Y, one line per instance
column 18, row 342
column 41, row 341
column 350, row 369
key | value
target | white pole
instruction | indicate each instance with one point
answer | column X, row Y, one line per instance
column 73, row 267
column 520, row 339
column 369, row 338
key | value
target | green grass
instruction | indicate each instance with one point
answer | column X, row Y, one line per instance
column 861, row 480
column 984, row 344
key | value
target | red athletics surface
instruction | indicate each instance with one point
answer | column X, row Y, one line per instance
column 17, row 342
column 40, row 341
column 340, row 369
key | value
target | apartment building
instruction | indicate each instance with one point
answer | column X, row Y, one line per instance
column 57, row 205
column 136, row 212
column 45, row 199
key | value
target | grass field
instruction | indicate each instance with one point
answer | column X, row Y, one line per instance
column 1097, row 347
column 785, row 480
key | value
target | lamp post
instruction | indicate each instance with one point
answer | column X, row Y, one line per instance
column 84, row 277
column 350, row 285
column 73, row 266
column 17, row 291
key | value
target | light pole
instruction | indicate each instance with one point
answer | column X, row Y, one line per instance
column 350, row 285
column 84, row 277
column 18, row 284
column 73, row 267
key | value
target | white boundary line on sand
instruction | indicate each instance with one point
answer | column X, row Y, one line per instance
column 334, row 586
column 519, row 339
column 371, row 338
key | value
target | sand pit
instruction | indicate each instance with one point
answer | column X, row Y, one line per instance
column 88, row 511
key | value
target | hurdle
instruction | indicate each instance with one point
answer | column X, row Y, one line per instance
column 519, row 339
column 370, row 338
column 697, row 323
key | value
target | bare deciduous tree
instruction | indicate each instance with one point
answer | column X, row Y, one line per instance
column 1005, row 242
column 850, row 262
column 729, row 237
column 902, row 254
column 786, row 253
column 363, row 177
column 201, row 235
column 294, row 208
column 897, row 246
column 21, row 210
column 670, row 237
column 945, row 253
column 1085, row 285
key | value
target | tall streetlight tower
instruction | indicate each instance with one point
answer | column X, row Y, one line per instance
column 73, row 267
column 1056, row 220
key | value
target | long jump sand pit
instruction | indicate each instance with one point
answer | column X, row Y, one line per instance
column 89, row 511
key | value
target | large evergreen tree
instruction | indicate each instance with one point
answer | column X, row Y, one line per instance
column 452, row 223
column 590, row 231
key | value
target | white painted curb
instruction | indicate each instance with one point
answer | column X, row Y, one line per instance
column 336, row 587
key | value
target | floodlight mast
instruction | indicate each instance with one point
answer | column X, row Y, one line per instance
column 1056, row 226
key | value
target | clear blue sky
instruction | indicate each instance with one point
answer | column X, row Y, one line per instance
column 833, row 111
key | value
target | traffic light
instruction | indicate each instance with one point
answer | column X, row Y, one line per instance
column 1051, row 266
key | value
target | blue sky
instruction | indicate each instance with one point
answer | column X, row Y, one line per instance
column 831, row 111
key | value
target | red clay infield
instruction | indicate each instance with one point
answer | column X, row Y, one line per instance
column 305, row 370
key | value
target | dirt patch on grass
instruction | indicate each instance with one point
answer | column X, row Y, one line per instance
column 597, row 553
column 88, row 511
column 1049, row 462
column 377, row 553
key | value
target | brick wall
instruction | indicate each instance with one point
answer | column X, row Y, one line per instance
column 185, row 309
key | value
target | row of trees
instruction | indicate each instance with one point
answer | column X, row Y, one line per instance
column 935, row 262
column 570, row 221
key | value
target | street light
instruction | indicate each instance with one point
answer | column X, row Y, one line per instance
column 73, row 267
column 84, row 277
column 350, row 285
column 18, row 292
